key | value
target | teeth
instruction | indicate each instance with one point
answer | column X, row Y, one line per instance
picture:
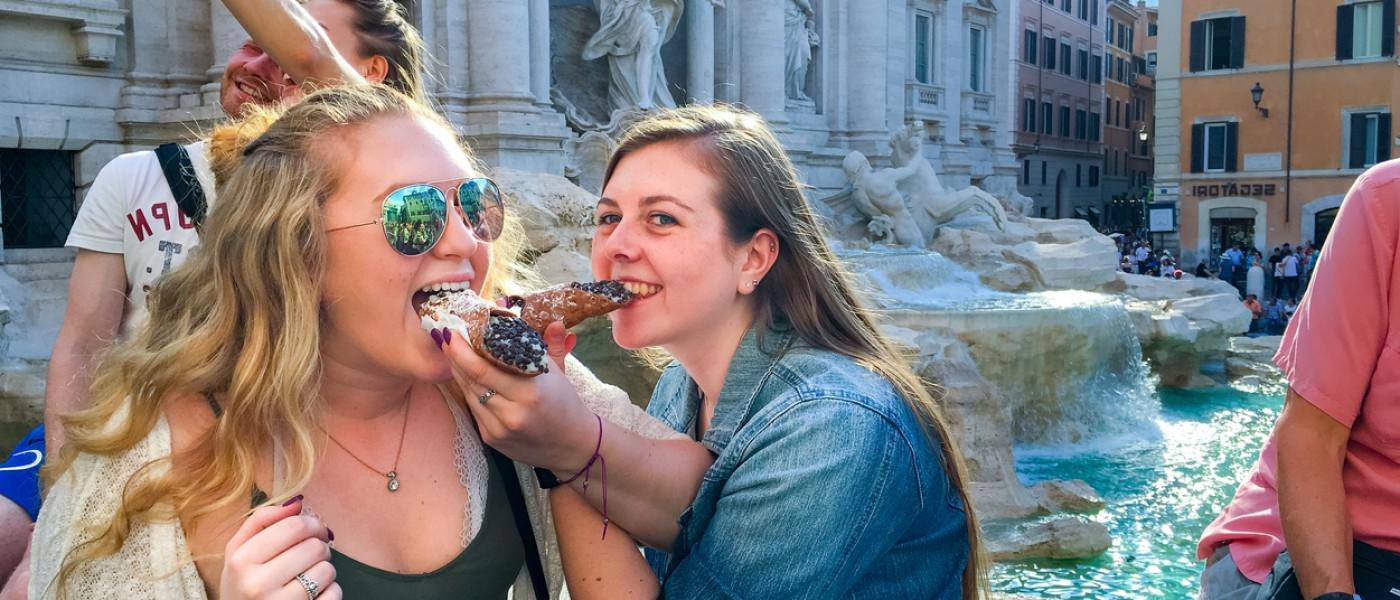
column 641, row 289
column 440, row 287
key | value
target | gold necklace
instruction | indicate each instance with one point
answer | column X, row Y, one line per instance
column 392, row 474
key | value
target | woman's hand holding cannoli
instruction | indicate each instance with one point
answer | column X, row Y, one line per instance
column 536, row 420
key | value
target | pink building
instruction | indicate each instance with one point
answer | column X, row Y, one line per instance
column 1060, row 66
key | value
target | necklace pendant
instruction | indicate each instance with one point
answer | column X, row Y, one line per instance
column 393, row 480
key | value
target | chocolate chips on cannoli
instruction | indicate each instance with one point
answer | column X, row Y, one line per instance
column 571, row 303
column 497, row 334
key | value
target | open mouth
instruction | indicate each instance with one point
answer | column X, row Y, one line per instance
column 636, row 288
column 423, row 294
column 260, row 91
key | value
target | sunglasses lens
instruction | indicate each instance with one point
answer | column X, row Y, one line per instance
column 414, row 218
column 481, row 206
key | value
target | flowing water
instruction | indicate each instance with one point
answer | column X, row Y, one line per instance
column 1161, row 489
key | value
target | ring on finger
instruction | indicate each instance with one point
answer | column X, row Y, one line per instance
column 485, row 396
column 312, row 588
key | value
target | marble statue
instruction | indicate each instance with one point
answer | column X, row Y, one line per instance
column 875, row 193
column 932, row 204
column 801, row 37
column 630, row 34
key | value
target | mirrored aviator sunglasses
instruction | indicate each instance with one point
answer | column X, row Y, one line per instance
column 414, row 217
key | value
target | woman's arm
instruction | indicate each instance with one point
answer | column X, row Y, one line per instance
column 294, row 40
column 596, row 566
column 542, row 421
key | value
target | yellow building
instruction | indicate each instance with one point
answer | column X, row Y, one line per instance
column 1265, row 117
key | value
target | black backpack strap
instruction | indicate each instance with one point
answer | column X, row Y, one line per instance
column 179, row 175
column 522, row 522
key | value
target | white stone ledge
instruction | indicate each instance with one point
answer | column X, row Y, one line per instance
column 96, row 27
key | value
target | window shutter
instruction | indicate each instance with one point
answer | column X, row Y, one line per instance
column 1198, row 46
column 1198, row 147
column 1232, row 147
column 1236, row 42
column 1387, row 27
column 1383, row 140
column 1356, row 150
column 1346, row 18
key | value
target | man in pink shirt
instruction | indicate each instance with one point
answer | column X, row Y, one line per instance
column 1329, row 474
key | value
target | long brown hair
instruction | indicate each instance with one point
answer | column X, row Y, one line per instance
column 241, row 319
column 808, row 286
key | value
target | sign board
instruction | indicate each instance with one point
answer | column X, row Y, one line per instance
column 1168, row 190
column 1232, row 188
column 1270, row 161
column 1161, row 217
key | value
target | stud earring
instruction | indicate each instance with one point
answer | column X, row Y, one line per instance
column 753, row 284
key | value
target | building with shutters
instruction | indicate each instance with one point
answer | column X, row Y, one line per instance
column 1060, row 66
column 1267, row 111
column 1126, row 89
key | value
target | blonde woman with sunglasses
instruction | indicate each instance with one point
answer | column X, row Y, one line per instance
column 278, row 427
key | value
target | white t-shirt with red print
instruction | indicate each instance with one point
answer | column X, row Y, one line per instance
column 130, row 210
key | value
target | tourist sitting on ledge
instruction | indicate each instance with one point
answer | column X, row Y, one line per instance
column 1319, row 515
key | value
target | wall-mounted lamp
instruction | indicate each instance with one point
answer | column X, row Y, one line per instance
column 1142, row 133
column 1258, row 94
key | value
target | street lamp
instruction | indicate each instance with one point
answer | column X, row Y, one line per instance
column 1257, row 93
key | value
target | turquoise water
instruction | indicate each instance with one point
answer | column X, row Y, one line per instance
column 1161, row 489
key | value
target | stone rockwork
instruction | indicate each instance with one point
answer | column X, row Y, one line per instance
column 1059, row 538
column 1253, row 357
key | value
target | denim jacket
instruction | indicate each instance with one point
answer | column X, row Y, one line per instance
column 824, row 485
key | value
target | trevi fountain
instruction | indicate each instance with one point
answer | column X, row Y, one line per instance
column 1106, row 416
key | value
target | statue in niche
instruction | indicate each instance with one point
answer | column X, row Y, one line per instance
column 932, row 204
column 875, row 193
column 800, row 25
column 630, row 34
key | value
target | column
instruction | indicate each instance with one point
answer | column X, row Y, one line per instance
column 700, row 23
column 504, row 123
column 450, row 44
column 866, row 94
column 761, row 68
column 953, row 61
column 539, row 52
column 497, row 77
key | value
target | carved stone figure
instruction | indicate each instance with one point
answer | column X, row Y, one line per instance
column 875, row 193
column 630, row 34
column 932, row 204
column 801, row 37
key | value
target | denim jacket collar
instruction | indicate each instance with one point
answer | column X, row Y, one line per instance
column 751, row 366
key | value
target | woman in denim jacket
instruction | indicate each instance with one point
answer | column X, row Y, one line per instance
column 834, row 475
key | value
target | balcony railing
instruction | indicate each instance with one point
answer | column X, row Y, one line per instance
column 924, row 101
column 979, row 106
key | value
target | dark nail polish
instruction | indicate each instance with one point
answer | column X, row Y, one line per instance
column 437, row 337
column 447, row 336
column 330, row 535
column 293, row 500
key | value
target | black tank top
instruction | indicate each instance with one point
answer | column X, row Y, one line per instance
column 485, row 569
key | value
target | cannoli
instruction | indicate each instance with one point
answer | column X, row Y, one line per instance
column 497, row 334
column 571, row 303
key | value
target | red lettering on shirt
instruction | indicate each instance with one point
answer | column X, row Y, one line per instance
column 160, row 211
column 139, row 225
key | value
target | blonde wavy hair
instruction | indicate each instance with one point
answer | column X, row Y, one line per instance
column 241, row 320
column 808, row 289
